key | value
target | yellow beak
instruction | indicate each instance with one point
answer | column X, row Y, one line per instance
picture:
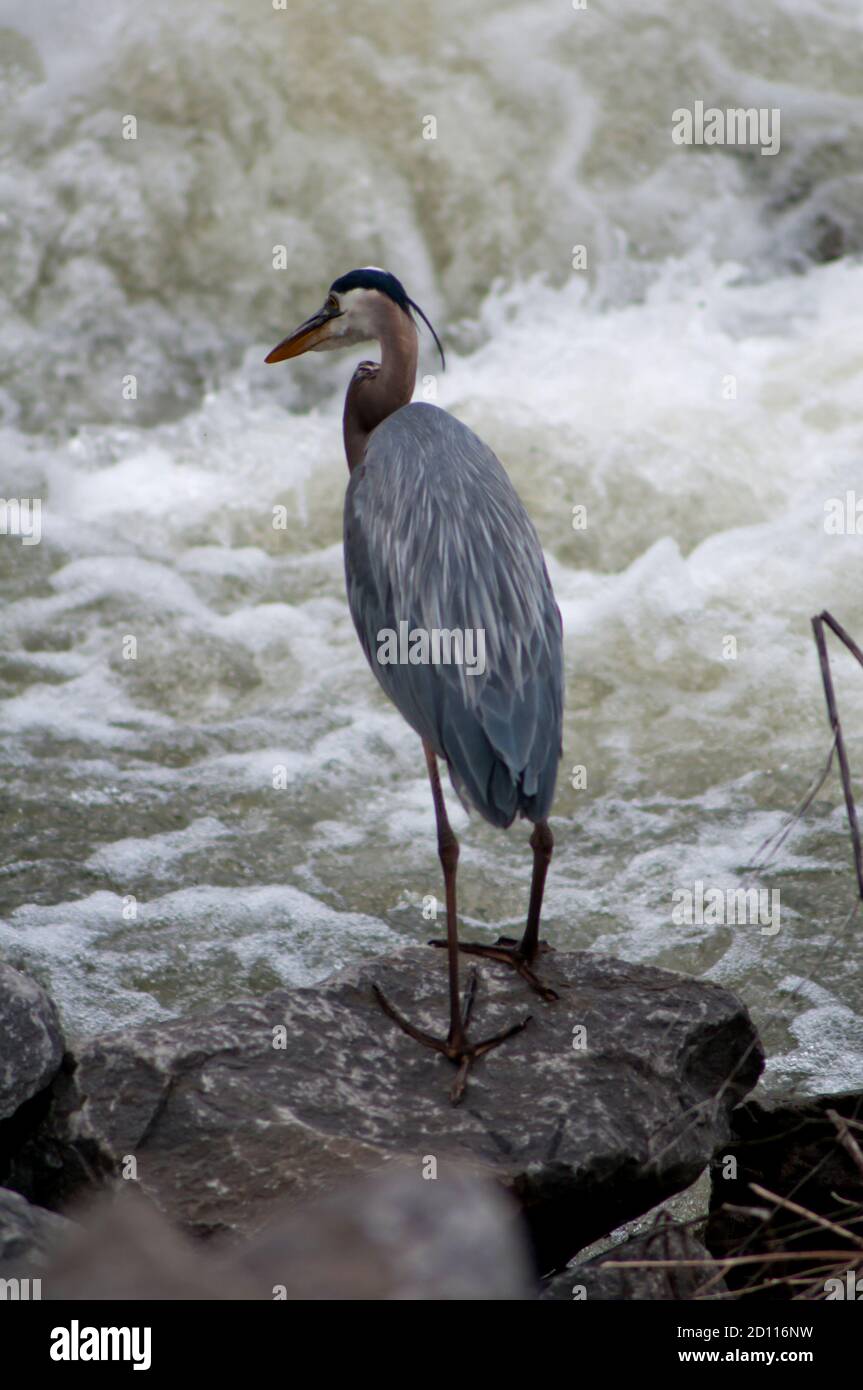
column 303, row 339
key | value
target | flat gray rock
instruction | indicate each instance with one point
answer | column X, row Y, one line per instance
column 224, row 1127
column 31, row 1040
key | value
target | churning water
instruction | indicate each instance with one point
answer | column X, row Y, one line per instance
column 695, row 387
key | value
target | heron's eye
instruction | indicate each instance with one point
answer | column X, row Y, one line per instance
column 332, row 302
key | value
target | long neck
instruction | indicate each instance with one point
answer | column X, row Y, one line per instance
column 372, row 396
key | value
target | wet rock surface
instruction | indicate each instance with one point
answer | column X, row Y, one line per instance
column 31, row 1040
column 615, row 1275
column 227, row 1117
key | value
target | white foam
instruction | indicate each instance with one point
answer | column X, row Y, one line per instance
column 606, row 388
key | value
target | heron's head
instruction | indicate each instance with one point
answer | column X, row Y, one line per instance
column 357, row 309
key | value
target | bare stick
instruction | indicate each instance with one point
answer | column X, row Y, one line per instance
column 731, row 1261
column 846, row 1138
column 809, row 1215
column 842, row 635
column 774, row 842
column 833, row 715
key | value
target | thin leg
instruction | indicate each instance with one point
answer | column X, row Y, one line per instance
column 521, row 955
column 542, row 844
column 456, row 1046
column 447, row 848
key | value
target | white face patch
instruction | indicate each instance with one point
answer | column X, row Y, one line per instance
column 360, row 318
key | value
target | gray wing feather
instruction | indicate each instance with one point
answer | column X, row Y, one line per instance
column 436, row 535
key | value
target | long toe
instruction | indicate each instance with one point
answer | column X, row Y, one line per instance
column 506, row 952
column 456, row 1048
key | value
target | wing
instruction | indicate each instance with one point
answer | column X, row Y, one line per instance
column 436, row 537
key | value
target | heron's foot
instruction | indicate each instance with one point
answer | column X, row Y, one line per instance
column 455, row 1047
column 507, row 950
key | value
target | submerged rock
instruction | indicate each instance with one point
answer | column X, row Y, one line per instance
column 31, row 1040
column 611, row 1100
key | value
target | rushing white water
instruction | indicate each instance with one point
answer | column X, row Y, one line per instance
column 609, row 388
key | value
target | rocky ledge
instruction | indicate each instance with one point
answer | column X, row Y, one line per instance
column 31, row 1043
column 612, row 1099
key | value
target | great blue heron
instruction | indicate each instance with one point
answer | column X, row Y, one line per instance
column 436, row 541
